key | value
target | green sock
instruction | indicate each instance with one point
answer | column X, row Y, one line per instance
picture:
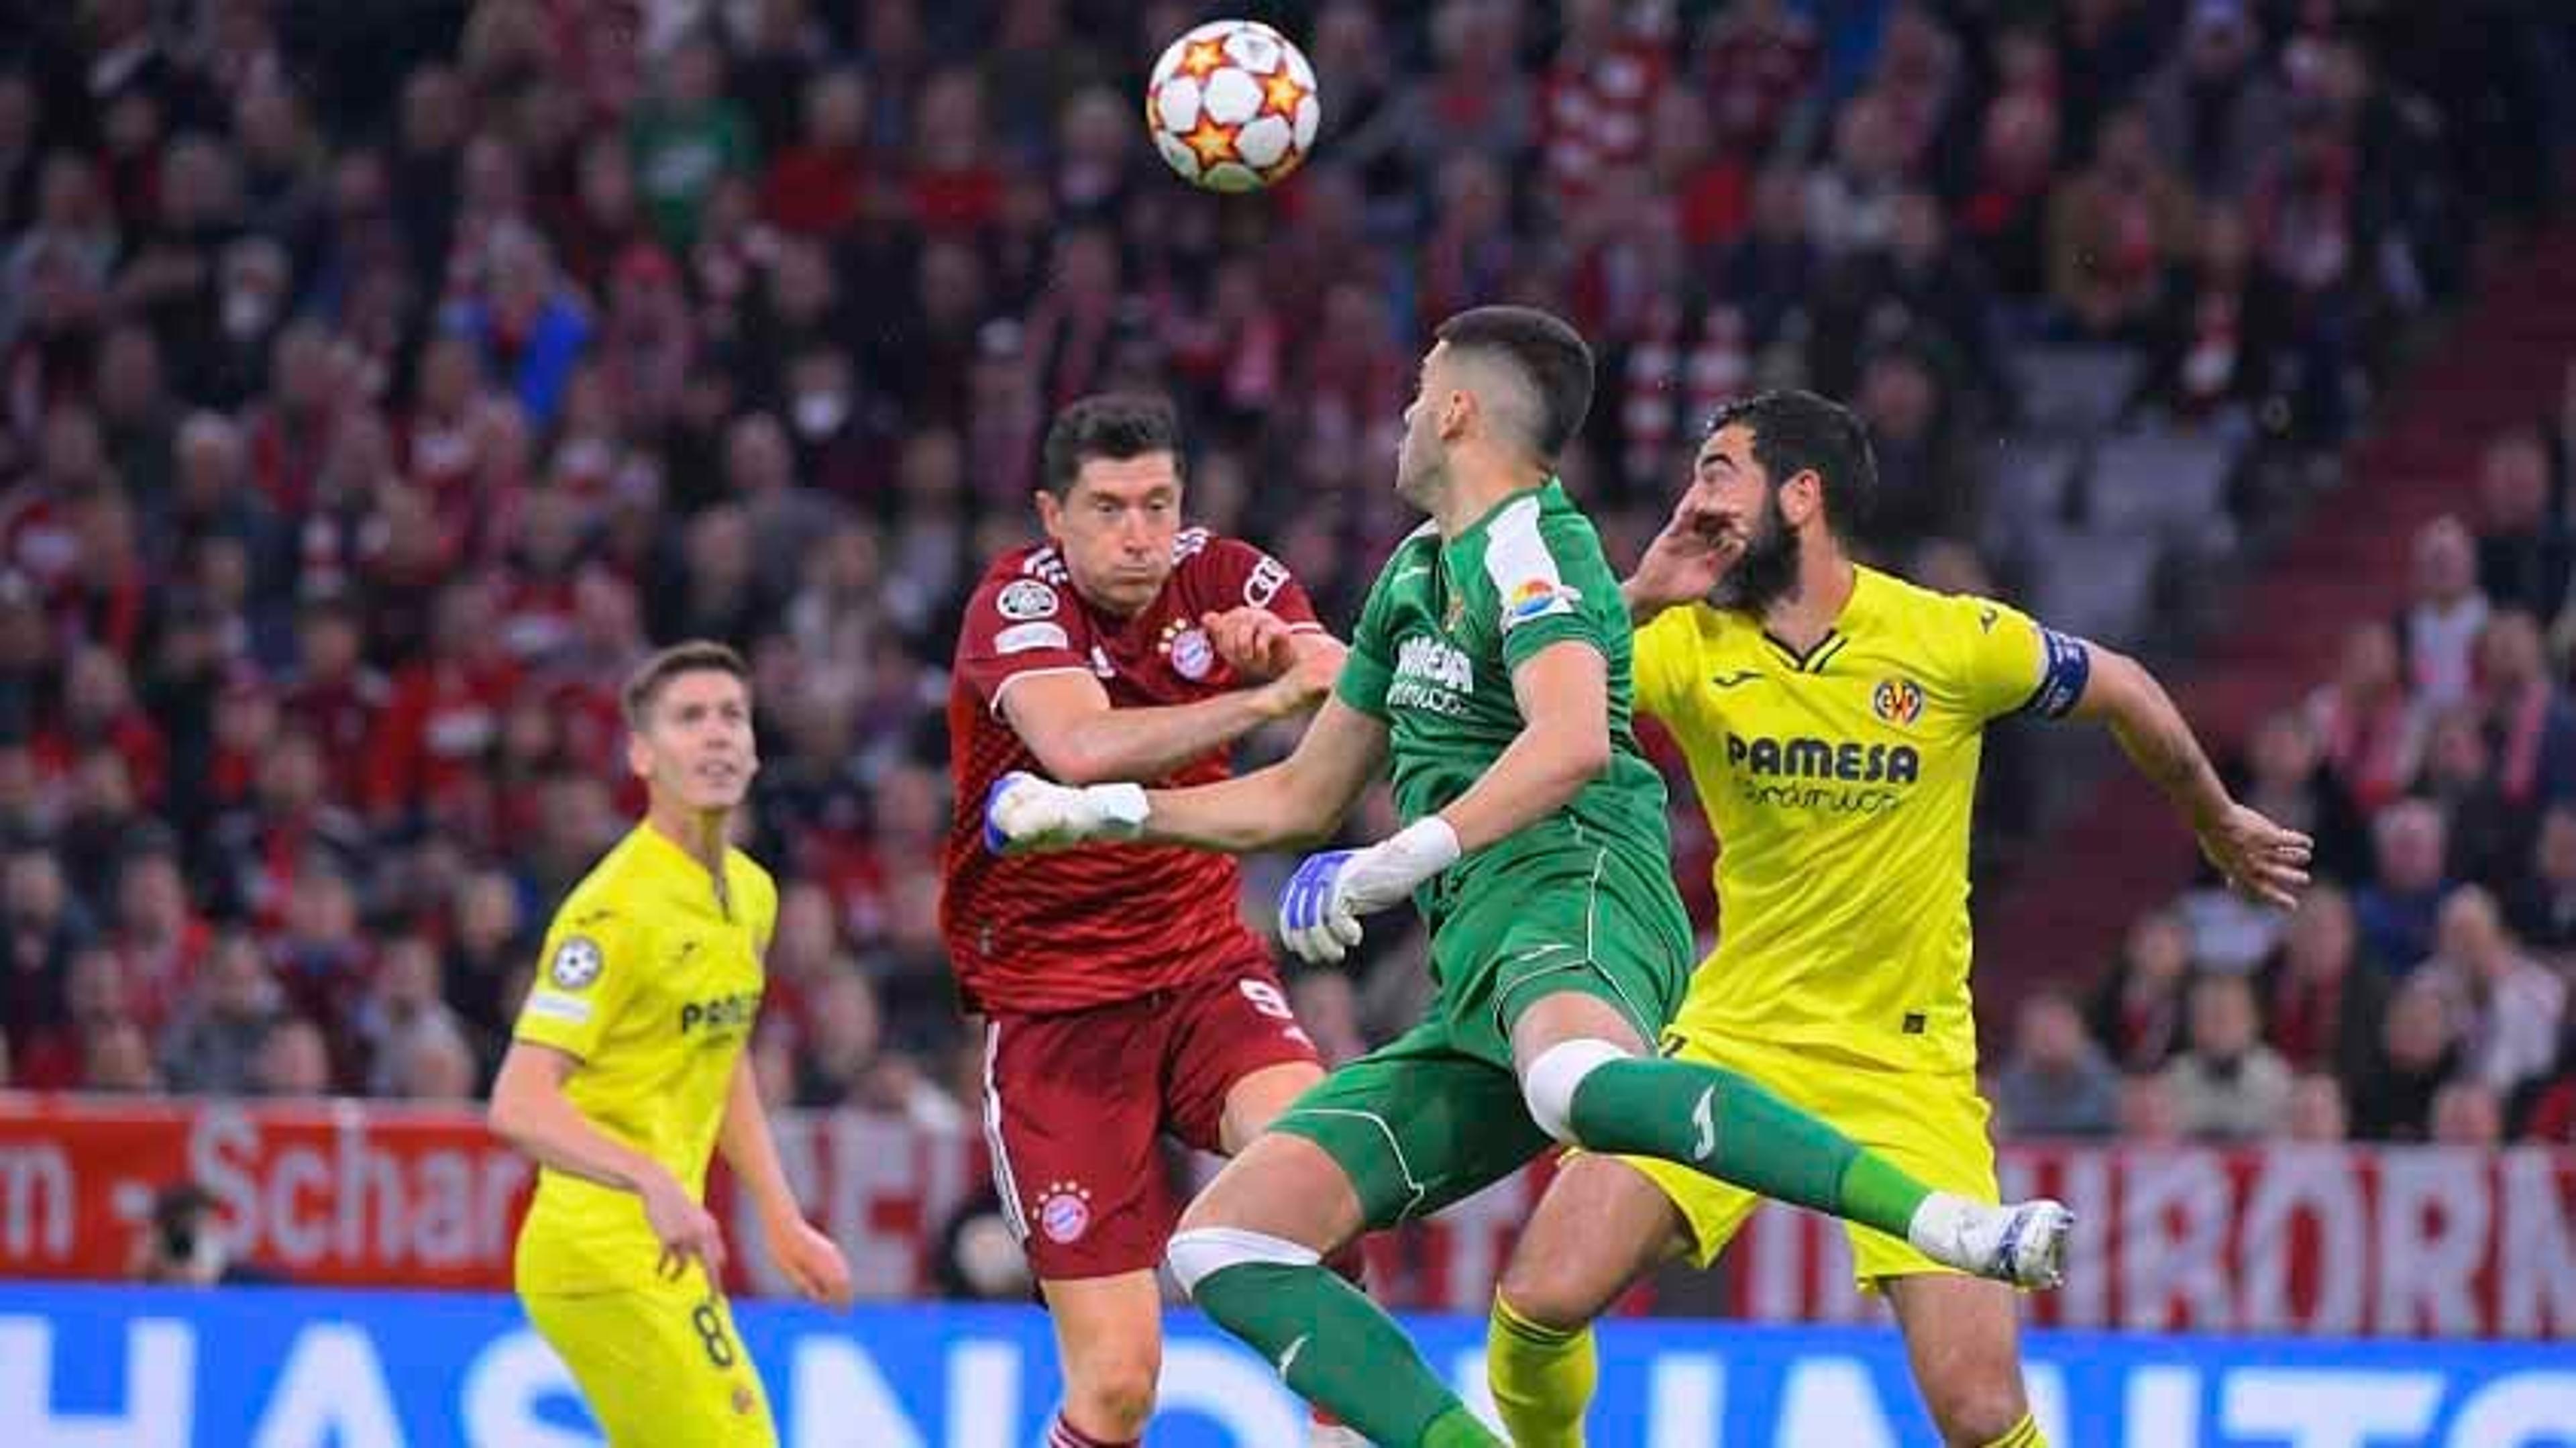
column 1723, row 1124
column 1339, row 1351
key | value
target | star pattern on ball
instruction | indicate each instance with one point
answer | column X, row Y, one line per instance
column 1203, row 59
column 1280, row 94
column 1212, row 142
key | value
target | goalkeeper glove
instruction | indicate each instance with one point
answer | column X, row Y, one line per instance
column 1023, row 812
column 1319, row 915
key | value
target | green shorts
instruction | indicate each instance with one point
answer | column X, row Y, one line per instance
column 1436, row 1114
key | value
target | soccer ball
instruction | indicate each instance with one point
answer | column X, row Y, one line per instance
column 1232, row 106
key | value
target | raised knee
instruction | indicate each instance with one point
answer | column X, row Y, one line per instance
column 1113, row 1400
column 1547, row 1295
column 1972, row 1415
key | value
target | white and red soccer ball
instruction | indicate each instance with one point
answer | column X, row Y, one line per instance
column 1232, row 106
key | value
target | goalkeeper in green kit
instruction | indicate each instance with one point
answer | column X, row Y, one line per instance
column 1490, row 671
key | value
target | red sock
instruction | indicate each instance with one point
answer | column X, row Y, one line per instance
column 1061, row 1434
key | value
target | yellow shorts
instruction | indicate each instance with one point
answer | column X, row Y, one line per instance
column 658, row 1365
column 1931, row 1126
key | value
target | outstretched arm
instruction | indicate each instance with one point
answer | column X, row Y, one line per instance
column 1294, row 802
column 2264, row 860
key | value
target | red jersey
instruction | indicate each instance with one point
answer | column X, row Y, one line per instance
column 1060, row 932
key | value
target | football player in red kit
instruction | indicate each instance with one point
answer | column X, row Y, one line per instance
column 1123, row 995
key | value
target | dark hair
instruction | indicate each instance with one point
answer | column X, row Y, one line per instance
column 1114, row 425
column 1796, row 431
column 1548, row 352
column 696, row 656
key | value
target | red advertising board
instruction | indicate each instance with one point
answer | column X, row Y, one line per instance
column 2345, row 1241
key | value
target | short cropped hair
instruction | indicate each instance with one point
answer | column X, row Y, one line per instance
column 1113, row 425
column 1548, row 353
column 695, row 656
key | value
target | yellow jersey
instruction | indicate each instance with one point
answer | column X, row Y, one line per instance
column 1840, row 784
column 654, row 982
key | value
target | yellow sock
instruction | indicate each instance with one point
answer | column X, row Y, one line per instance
column 2024, row 1434
column 1542, row 1378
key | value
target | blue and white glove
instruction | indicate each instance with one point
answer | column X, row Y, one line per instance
column 1024, row 813
column 1319, row 914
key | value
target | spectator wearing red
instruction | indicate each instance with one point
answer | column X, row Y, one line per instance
column 290, row 827
column 1596, row 99
column 334, row 695
column 2323, row 1002
column 160, row 939
column 2137, row 1013
column 445, row 713
column 99, row 711
column 1757, row 61
column 2113, row 229
column 819, row 185
column 2221, row 328
column 291, row 428
column 59, row 1056
column 953, row 188
column 2372, row 728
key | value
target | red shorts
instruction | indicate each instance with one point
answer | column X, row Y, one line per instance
column 1075, row 1105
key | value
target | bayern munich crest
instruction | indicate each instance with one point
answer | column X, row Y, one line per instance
column 1193, row 654
column 1064, row 1212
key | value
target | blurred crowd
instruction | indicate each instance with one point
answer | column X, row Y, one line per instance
column 379, row 380
column 2421, row 991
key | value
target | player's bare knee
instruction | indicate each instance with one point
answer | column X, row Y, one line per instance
column 1551, row 1293
column 1113, row 1399
column 1973, row 1409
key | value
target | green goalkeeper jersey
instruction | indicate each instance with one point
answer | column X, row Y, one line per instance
column 1432, row 658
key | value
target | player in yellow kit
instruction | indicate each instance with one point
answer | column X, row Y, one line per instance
column 627, row 1069
column 1832, row 716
